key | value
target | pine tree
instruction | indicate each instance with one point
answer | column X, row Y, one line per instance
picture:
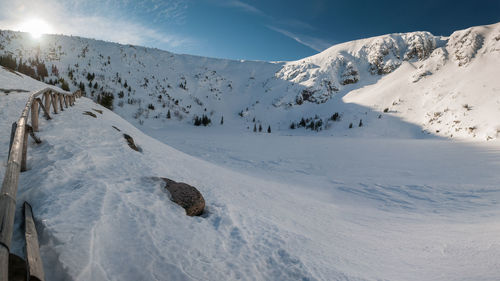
column 269, row 129
column 302, row 122
column 254, row 128
column 55, row 71
column 205, row 120
column 168, row 114
column 335, row 116
column 222, row 120
column 42, row 70
column 197, row 121
column 82, row 87
column 350, row 125
column 360, row 123
column 64, row 84
column 260, row 128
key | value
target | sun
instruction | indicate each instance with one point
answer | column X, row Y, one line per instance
column 36, row 27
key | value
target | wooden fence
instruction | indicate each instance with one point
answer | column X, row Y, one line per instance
column 40, row 100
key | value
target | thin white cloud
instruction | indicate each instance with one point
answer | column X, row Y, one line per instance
column 100, row 21
column 316, row 44
column 293, row 23
column 123, row 32
column 245, row 7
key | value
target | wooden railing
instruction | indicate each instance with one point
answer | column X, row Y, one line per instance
column 17, row 163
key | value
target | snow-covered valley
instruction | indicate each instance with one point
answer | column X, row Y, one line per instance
column 398, row 198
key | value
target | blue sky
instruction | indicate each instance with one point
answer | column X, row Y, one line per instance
column 245, row 29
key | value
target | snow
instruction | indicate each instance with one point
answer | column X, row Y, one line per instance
column 410, row 74
column 335, row 208
column 384, row 201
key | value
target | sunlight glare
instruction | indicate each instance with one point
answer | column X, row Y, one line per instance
column 36, row 27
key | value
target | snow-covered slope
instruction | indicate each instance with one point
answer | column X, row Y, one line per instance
column 406, row 74
column 454, row 93
column 335, row 209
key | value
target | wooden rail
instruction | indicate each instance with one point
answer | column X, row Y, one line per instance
column 33, row 259
column 17, row 163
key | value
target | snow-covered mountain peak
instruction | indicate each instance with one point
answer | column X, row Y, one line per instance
column 331, row 70
column 155, row 88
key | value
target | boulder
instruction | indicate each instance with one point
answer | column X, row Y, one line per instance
column 186, row 196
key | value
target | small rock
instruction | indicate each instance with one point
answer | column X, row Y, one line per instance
column 131, row 143
column 186, row 196
column 90, row 114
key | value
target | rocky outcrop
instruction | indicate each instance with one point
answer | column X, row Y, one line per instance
column 464, row 45
column 131, row 143
column 350, row 75
column 434, row 63
column 316, row 79
column 186, row 196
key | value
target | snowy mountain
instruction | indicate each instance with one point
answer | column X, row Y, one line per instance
column 411, row 76
column 306, row 207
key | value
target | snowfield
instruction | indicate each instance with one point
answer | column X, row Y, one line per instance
column 278, row 207
column 411, row 194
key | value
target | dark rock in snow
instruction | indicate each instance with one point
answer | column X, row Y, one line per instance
column 186, row 196
column 131, row 143
column 89, row 114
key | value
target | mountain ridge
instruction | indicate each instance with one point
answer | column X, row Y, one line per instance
column 148, row 83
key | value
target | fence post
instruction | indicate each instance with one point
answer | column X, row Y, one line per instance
column 61, row 102
column 34, row 115
column 46, row 95
column 54, row 102
column 25, row 150
column 46, row 114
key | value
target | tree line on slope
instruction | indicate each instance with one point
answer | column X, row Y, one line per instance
column 36, row 69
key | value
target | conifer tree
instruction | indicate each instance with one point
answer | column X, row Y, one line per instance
column 254, row 128
column 168, row 114
column 260, row 128
column 222, row 120
column 269, row 129
column 302, row 122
